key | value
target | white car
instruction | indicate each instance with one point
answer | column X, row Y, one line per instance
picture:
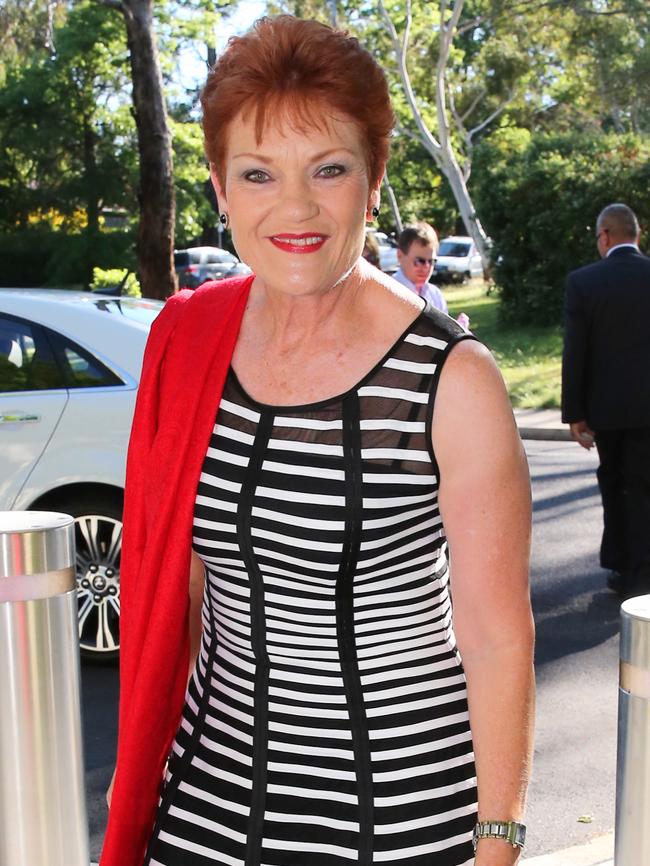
column 457, row 259
column 387, row 251
column 69, row 370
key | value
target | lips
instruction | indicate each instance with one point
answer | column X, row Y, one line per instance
column 308, row 242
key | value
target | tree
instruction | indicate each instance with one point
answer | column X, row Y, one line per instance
column 65, row 135
column 156, row 187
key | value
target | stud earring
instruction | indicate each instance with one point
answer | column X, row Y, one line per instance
column 375, row 212
column 223, row 219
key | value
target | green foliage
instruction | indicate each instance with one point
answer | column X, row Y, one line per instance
column 66, row 137
column 194, row 212
column 539, row 197
column 529, row 356
column 38, row 256
column 108, row 278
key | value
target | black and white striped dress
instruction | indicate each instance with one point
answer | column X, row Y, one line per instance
column 326, row 722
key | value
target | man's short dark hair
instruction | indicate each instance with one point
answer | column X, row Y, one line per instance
column 421, row 232
column 620, row 220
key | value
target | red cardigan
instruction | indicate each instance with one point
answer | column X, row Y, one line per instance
column 185, row 365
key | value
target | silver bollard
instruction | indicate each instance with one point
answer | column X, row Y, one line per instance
column 632, row 837
column 43, row 819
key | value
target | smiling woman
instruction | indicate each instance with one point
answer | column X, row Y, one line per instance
column 304, row 466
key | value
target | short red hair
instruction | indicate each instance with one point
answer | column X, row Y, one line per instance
column 289, row 66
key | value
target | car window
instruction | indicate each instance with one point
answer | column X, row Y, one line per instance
column 80, row 368
column 26, row 359
column 181, row 259
column 217, row 258
column 453, row 248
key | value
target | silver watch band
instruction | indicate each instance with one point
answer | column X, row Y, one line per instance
column 511, row 832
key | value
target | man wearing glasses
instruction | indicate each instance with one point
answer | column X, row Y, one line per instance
column 417, row 248
column 606, row 390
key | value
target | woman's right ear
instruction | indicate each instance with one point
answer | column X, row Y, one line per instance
column 216, row 183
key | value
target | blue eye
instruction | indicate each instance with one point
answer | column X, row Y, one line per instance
column 331, row 170
column 256, row 176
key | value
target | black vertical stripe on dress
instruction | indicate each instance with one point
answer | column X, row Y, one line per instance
column 261, row 689
column 345, row 624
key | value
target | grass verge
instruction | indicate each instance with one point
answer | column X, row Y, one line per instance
column 530, row 357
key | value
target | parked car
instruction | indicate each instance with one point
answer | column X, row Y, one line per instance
column 69, row 370
column 457, row 260
column 197, row 265
column 387, row 251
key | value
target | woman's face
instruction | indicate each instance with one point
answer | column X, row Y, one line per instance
column 297, row 202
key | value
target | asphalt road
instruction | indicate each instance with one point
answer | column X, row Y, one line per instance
column 572, row 794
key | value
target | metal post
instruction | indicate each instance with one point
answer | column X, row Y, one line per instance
column 43, row 818
column 632, row 840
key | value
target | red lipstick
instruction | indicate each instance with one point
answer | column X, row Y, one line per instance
column 307, row 242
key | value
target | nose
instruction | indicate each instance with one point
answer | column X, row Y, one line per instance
column 297, row 203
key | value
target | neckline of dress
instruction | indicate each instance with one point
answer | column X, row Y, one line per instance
column 336, row 398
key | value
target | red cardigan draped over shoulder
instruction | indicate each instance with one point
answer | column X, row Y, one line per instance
column 185, row 366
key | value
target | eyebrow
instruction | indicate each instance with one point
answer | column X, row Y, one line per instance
column 316, row 158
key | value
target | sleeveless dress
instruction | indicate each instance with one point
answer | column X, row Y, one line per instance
column 326, row 721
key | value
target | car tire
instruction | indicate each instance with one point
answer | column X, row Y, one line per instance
column 98, row 536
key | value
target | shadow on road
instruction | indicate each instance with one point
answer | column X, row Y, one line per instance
column 585, row 619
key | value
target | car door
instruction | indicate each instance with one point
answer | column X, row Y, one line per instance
column 32, row 399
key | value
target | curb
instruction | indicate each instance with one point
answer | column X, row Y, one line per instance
column 555, row 434
column 597, row 852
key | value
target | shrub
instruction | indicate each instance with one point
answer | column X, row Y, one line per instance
column 112, row 277
column 42, row 257
column 539, row 197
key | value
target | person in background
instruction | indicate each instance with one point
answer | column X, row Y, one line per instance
column 606, row 390
column 417, row 248
column 371, row 250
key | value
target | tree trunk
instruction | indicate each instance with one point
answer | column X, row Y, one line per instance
column 392, row 200
column 441, row 149
column 456, row 180
column 156, row 187
column 92, row 202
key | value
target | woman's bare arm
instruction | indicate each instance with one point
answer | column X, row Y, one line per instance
column 197, row 586
column 485, row 506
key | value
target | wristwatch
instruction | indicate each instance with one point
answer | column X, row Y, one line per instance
column 510, row 831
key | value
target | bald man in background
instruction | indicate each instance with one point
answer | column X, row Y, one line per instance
column 606, row 390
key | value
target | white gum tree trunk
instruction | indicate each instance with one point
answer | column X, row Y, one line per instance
column 440, row 145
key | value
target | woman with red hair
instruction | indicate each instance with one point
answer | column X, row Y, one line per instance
column 312, row 446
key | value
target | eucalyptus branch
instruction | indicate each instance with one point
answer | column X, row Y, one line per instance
column 473, row 106
column 462, row 132
column 400, row 48
column 488, row 120
column 409, row 133
column 472, row 24
column 447, row 32
column 458, row 120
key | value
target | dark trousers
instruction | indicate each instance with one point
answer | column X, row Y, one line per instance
column 624, row 481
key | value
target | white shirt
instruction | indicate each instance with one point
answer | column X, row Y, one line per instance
column 619, row 246
column 428, row 292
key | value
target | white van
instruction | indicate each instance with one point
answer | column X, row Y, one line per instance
column 457, row 260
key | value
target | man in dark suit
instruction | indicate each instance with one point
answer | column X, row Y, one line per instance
column 606, row 390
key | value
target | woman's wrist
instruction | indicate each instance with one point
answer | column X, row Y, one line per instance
column 496, row 852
